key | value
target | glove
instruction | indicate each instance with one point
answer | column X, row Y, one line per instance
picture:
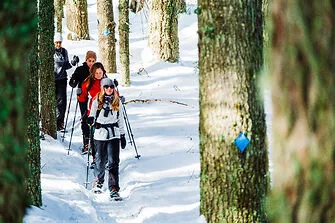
column 79, row 91
column 90, row 120
column 123, row 141
column 73, row 83
column 123, row 99
column 75, row 60
column 116, row 83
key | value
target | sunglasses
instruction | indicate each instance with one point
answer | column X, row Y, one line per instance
column 109, row 86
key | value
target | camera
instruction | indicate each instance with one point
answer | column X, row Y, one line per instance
column 75, row 60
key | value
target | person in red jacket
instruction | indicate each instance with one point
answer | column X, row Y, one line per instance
column 90, row 87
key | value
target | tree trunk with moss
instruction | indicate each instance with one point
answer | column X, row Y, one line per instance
column 106, row 36
column 124, row 41
column 77, row 19
column 163, row 30
column 33, row 180
column 46, row 68
column 59, row 13
column 18, row 23
column 303, row 92
column 233, row 184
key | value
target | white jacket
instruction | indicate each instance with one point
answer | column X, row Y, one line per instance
column 113, row 117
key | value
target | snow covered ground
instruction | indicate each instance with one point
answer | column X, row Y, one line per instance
column 161, row 186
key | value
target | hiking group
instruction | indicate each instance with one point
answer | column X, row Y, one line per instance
column 102, row 122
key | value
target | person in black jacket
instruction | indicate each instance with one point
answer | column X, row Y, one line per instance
column 79, row 75
column 61, row 64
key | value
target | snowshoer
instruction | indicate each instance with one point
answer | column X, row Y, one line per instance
column 109, row 133
column 78, row 77
column 61, row 64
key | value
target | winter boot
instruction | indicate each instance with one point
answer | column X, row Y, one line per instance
column 97, row 187
column 86, row 142
column 92, row 164
column 114, row 195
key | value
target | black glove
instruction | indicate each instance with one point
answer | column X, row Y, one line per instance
column 79, row 91
column 116, row 83
column 73, row 82
column 90, row 120
column 123, row 141
column 75, row 60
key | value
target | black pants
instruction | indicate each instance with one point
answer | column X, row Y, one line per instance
column 60, row 101
column 84, row 126
column 109, row 150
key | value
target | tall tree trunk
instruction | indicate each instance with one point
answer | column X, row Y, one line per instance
column 233, row 183
column 106, row 37
column 33, row 181
column 303, row 92
column 47, row 79
column 163, row 30
column 59, row 13
column 17, row 22
column 77, row 19
column 124, row 41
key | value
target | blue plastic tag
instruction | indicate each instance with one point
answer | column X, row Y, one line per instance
column 241, row 142
column 106, row 32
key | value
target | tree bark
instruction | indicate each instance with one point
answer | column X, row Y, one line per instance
column 124, row 41
column 233, row 184
column 33, row 180
column 303, row 79
column 59, row 12
column 47, row 79
column 18, row 23
column 77, row 19
column 106, row 37
column 163, row 30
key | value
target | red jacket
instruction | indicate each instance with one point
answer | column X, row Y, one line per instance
column 89, row 94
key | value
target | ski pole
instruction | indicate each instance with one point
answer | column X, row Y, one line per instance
column 67, row 116
column 74, row 120
column 88, row 155
column 130, row 133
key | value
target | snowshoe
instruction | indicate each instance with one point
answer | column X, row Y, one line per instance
column 92, row 165
column 97, row 189
column 114, row 195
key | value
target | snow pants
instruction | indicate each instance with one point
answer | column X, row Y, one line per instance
column 107, row 150
column 60, row 101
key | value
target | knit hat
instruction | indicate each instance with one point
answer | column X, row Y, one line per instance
column 106, row 81
column 58, row 37
column 91, row 54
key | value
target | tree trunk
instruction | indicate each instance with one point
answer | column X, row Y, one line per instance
column 59, row 13
column 46, row 69
column 77, row 19
column 233, row 183
column 106, row 38
column 303, row 77
column 18, row 23
column 124, row 41
column 33, row 181
column 163, row 30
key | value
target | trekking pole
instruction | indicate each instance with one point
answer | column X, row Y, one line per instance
column 88, row 156
column 130, row 133
column 67, row 116
column 74, row 120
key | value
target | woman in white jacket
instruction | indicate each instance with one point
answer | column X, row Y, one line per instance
column 109, row 131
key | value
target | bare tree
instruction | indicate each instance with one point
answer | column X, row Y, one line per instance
column 124, row 41
column 46, row 68
column 18, row 23
column 77, row 19
column 59, row 13
column 163, row 29
column 233, row 180
column 106, row 38
column 303, row 79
